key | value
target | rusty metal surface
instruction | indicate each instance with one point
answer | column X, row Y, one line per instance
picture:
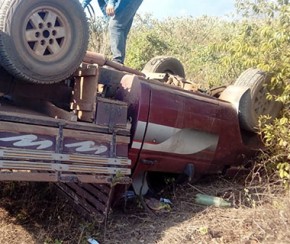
column 44, row 107
column 58, row 93
column 85, row 92
column 96, row 58
column 111, row 113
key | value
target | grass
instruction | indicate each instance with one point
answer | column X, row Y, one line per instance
column 35, row 213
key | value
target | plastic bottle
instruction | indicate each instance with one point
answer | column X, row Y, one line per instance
column 211, row 201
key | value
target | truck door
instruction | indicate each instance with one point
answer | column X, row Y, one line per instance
column 180, row 130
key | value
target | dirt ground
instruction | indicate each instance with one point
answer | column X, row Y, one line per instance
column 35, row 213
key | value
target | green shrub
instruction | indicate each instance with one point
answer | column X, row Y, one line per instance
column 215, row 51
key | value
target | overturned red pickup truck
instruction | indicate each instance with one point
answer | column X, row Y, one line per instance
column 98, row 127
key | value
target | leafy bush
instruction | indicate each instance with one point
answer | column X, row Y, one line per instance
column 99, row 38
column 215, row 51
column 185, row 38
column 263, row 41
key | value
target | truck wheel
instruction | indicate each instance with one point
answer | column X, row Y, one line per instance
column 164, row 64
column 258, row 104
column 42, row 41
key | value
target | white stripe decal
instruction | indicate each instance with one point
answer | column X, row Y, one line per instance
column 168, row 139
column 136, row 145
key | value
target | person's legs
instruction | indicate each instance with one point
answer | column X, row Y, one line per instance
column 119, row 27
column 117, row 41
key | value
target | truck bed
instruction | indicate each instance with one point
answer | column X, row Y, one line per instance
column 36, row 147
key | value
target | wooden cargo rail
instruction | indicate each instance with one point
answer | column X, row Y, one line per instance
column 38, row 148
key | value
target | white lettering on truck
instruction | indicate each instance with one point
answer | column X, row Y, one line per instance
column 27, row 141
column 32, row 140
column 87, row 146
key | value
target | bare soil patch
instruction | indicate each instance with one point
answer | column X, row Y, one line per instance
column 35, row 213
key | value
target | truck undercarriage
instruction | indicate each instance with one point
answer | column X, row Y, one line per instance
column 86, row 157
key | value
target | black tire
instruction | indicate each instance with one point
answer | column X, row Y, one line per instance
column 42, row 41
column 257, row 103
column 164, row 64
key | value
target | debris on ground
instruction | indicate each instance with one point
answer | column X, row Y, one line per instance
column 33, row 213
column 207, row 200
column 158, row 205
column 93, row 241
